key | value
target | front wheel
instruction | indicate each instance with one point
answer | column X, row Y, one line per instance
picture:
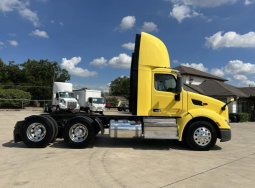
column 201, row 136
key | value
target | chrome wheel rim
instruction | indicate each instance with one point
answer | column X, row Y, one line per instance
column 202, row 136
column 78, row 132
column 36, row 132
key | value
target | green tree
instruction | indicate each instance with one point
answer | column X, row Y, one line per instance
column 120, row 87
column 35, row 77
column 84, row 88
column 113, row 101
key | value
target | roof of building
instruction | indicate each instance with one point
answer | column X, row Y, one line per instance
column 248, row 91
column 191, row 71
column 216, row 88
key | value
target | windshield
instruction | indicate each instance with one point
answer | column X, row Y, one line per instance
column 66, row 95
column 99, row 100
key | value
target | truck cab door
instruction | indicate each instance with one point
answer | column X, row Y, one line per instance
column 164, row 100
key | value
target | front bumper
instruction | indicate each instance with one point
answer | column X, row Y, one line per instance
column 225, row 135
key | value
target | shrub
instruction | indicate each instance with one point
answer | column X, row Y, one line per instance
column 243, row 117
column 13, row 94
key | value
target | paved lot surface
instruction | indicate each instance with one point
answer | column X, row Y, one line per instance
column 126, row 163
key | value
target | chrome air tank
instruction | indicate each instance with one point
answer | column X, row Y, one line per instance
column 125, row 129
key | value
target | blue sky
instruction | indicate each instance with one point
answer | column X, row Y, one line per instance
column 94, row 39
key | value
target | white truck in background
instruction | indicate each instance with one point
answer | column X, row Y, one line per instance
column 90, row 100
column 63, row 97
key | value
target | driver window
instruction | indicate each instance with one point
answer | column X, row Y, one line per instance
column 165, row 82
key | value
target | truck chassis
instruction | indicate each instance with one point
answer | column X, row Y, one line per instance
column 79, row 129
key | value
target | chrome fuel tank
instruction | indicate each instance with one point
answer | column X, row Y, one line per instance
column 125, row 129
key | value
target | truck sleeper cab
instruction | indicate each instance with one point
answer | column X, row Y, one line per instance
column 160, row 109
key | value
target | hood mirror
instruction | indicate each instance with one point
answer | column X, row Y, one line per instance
column 179, row 84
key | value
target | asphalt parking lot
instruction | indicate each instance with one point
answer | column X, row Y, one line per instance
column 126, row 162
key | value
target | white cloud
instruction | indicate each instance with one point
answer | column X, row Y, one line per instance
column 21, row 7
column 217, row 72
column 71, row 64
column 129, row 46
column 9, row 5
column 105, row 88
column 248, row 83
column 127, row 22
column 240, row 77
column 248, row 2
column 175, row 61
column 122, row 61
column 12, row 34
column 44, row 1
column 231, row 39
column 39, row 33
column 13, row 42
column 198, row 66
column 203, row 3
column 237, row 67
column 61, row 23
column 180, row 12
column 52, row 21
column 1, row 44
column 99, row 62
column 30, row 15
column 149, row 27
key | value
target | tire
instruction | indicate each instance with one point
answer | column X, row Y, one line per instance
column 39, row 140
column 84, row 127
column 55, row 126
column 88, row 111
column 119, row 109
column 201, row 142
column 101, row 113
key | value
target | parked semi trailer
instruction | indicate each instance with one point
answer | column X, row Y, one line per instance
column 159, row 109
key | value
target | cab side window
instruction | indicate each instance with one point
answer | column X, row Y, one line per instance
column 165, row 82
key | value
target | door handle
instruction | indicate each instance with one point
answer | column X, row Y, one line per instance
column 156, row 110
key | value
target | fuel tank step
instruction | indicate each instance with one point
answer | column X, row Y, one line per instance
column 160, row 128
column 161, row 137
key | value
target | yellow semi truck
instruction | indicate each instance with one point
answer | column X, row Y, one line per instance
column 159, row 109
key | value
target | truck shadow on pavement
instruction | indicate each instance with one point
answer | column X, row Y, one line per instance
column 104, row 141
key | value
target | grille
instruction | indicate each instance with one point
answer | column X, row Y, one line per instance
column 71, row 104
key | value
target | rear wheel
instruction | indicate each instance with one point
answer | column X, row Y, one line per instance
column 79, row 132
column 37, row 132
column 55, row 126
column 201, row 136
